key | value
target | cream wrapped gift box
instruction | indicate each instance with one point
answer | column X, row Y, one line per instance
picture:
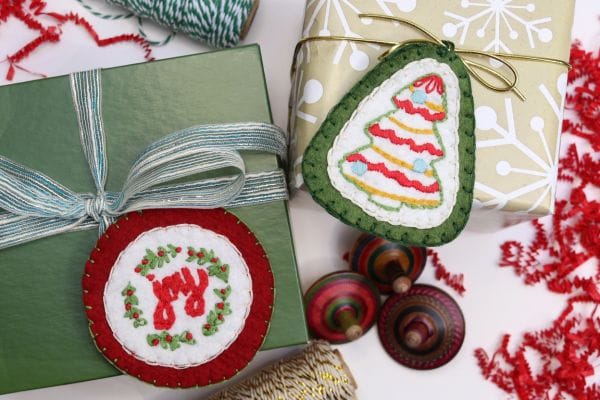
column 517, row 141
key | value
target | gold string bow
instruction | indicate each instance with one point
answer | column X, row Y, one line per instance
column 508, row 83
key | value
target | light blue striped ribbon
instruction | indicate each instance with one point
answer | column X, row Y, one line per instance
column 33, row 206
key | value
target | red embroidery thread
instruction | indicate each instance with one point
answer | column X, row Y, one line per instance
column 407, row 106
column 390, row 135
column 397, row 176
column 431, row 83
column 168, row 290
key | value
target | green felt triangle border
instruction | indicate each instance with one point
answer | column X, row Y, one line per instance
column 314, row 165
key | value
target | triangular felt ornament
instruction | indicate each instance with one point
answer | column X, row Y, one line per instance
column 396, row 156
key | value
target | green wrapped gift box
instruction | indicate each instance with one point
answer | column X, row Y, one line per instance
column 44, row 338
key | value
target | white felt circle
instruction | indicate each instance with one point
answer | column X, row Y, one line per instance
column 206, row 348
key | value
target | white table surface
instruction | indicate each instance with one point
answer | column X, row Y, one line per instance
column 496, row 300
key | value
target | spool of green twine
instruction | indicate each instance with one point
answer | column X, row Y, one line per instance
column 219, row 23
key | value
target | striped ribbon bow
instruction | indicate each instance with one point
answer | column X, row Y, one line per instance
column 34, row 206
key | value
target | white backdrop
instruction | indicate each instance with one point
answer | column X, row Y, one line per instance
column 496, row 300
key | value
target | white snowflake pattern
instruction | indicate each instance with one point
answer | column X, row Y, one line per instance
column 359, row 60
column 487, row 120
column 495, row 17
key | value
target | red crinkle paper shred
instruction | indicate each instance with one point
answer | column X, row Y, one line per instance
column 31, row 13
column 565, row 249
column 454, row 281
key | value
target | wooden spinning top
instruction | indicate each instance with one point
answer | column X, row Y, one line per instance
column 341, row 306
column 392, row 266
column 423, row 328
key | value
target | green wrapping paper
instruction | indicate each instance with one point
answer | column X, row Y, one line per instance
column 44, row 338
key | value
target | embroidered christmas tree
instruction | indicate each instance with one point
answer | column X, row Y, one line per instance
column 397, row 167
column 396, row 156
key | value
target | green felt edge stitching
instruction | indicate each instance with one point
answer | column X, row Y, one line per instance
column 314, row 165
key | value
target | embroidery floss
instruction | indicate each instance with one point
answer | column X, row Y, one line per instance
column 219, row 23
column 318, row 373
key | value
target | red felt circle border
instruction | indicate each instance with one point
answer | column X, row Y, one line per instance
column 238, row 354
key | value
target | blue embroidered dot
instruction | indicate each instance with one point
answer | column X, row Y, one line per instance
column 418, row 96
column 420, row 165
column 359, row 168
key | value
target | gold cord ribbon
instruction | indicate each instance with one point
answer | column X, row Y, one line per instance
column 508, row 83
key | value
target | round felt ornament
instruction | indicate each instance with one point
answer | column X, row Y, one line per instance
column 392, row 266
column 178, row 297
column 421, row 329
column 341, row 306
